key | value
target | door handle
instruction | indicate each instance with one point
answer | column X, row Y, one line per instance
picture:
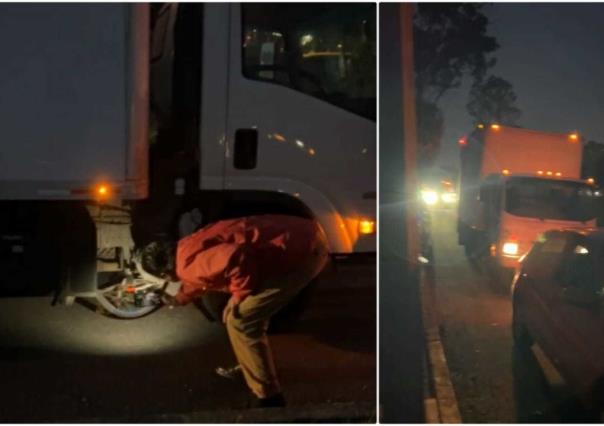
column 246, row 149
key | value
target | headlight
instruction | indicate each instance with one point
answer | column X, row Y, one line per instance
column 429, row 197
column 449, row 197
column 510, row 248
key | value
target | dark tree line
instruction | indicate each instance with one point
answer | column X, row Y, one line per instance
column 451, row 43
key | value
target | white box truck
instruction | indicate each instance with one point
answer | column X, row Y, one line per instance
column 255, row 108
column 517, row 183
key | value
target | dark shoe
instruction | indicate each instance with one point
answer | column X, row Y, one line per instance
column 272, row 401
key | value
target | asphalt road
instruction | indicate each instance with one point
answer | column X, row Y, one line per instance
column 492, row 384
column 66, row 364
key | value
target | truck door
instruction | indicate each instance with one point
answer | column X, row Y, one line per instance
column 301, row 109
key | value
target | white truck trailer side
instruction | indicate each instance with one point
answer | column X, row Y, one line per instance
column 256, row 109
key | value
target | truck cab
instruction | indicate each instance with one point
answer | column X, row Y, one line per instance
column 517, row 183
column 286, row 109
column 518, row 208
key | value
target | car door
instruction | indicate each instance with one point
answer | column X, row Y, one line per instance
column 540, row 270
column 575, row 314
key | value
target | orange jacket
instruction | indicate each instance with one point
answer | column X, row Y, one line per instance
column 236, row 255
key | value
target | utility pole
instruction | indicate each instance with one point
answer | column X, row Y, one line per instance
column 409, row 132
column 402, row 345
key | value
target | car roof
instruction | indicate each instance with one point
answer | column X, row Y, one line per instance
column 551, row 178
column 595, row 235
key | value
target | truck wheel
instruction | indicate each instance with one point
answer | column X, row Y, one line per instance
column 212, row 304
column 286, row 319
column 505, row 277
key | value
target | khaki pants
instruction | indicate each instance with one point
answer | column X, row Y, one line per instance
column 247, row 325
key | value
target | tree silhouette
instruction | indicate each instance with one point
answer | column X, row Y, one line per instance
column 493, row 100
column 451, row 41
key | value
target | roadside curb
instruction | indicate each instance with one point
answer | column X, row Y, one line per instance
column 336, row 412
column 440, row 401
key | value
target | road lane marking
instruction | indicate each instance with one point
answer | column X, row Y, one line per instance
column 551, row 373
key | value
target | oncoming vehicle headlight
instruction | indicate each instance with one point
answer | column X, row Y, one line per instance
column 429, row 197
column 449, row 197
column 510, row 248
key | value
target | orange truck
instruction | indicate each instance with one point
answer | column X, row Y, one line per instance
column 517, row 183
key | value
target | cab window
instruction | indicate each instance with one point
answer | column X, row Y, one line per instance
column 545, row 256
column 578, row 269
column 323, row 50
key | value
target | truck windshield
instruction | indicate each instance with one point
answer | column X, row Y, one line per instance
column 550, row 199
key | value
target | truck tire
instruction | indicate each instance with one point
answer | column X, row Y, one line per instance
column 286, row 319
column 476, row 245
column 504, row 278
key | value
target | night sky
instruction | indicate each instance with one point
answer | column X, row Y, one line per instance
column 553, row 54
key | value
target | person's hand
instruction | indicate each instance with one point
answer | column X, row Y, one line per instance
column 231, row 305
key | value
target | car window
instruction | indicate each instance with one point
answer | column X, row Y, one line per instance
column 578, row 269
column 545, row 257
column 553, row 245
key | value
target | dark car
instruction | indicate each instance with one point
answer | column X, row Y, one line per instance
column 558, row 303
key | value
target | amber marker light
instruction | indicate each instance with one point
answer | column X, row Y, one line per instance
column 539, row 172
column 366, row 226
column 495, row 127
column 591, row 181
column 574, row 137
column 102, row 191
column 505, row 172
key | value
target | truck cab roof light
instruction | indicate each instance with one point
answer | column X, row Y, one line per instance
column 480, row 126
column 495, row 127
